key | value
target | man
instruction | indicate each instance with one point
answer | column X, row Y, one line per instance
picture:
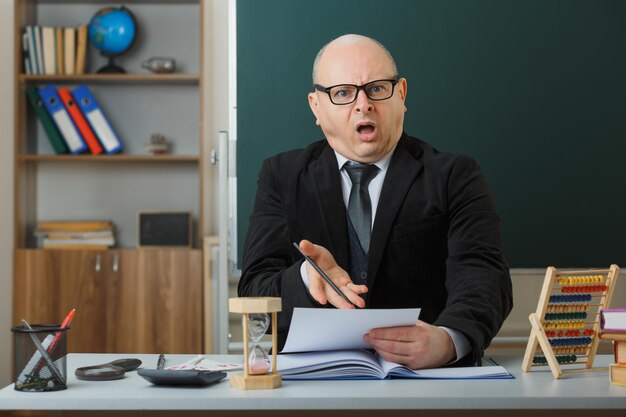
column 419, row 230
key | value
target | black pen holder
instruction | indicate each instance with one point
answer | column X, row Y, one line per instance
column 40, row 358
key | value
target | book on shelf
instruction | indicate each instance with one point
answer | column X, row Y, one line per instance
column 69, row 50
column 73, row 225
column 28, row 69
column 363, row 364
column 54, row 50
column 613, row 319
column 75, row 234
column 49, row 50
column 75, row 246
column 32, row 49
column 60, row 234
column 99, row 241
column 81, row 50
column 54, row 136
column 617, row 374
column 38, row 49
column 59, row 45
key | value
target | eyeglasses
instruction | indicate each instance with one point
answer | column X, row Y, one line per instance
column 341, row 94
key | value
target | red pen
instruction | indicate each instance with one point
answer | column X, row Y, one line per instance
column 57, row 336
column 68, row 319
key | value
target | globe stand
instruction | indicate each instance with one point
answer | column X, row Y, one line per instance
column 111, row 67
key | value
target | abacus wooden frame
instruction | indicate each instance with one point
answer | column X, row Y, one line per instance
column 538, row 335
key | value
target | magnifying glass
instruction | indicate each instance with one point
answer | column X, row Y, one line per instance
column 107, row 371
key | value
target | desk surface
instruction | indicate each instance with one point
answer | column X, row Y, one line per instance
column 534, row 390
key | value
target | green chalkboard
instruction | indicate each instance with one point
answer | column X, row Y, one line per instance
column 535, row 90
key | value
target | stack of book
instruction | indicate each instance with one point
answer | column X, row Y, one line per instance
column 73, row 120
column 613, row 325
column 54, row 50
column 75, row 234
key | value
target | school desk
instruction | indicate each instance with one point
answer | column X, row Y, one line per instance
column 529, row 394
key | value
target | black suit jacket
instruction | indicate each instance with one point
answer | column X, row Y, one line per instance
column 435, row 242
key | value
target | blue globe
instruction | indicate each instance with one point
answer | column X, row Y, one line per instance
column 112, row 30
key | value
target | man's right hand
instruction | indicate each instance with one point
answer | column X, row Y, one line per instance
column 319, row 288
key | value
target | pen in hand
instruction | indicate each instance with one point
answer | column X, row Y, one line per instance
column 323, row 274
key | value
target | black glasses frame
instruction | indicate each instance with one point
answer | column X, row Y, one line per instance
column 363, row 87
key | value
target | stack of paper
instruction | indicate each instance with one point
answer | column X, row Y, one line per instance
column 75, row 234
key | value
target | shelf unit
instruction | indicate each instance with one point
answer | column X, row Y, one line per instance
column 117, row 187
column 138, row 104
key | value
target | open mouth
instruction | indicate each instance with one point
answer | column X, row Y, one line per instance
column 365, row 128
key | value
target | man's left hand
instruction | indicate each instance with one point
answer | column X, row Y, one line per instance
column 417, row 347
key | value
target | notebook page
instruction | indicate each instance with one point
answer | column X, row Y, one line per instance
column 469, row 372
column 329, row 364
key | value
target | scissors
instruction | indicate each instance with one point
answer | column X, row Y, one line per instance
column 107, row 371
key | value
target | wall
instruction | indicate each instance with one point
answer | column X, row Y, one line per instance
column 6, row 186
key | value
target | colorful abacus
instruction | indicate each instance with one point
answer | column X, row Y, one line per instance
column 566, row 323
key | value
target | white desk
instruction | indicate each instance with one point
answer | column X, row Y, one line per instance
column 530, row 394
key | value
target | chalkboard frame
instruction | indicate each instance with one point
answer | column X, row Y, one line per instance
column 164, row 229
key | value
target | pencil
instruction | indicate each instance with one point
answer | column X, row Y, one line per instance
column 323, row 274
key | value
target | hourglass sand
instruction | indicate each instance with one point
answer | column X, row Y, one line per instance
column 258, row 361
column 255, row 322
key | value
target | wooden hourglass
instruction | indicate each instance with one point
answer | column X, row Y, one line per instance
column 255, row 322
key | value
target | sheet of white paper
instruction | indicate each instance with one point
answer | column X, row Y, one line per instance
column 315, row 329
column 201, row 363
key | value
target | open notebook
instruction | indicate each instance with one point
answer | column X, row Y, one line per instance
column 362, row 364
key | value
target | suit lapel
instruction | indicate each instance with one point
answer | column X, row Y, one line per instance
column 403, row 169
column 327, row 183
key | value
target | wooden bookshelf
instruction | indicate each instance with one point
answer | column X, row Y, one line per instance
column 130, row 288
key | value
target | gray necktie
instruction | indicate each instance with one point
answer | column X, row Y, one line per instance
column 359, row 205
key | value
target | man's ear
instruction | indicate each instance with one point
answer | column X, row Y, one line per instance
column 402, row 88
column 313, row 103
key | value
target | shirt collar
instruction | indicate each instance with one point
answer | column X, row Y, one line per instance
column 382, row 163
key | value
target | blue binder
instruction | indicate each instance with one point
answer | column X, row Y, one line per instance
column 62, row 119
column 99, row 123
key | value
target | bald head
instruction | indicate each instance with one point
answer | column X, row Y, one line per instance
column 347, row 41
column 365, row 129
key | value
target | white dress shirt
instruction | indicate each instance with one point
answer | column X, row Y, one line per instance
column 461, row 344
